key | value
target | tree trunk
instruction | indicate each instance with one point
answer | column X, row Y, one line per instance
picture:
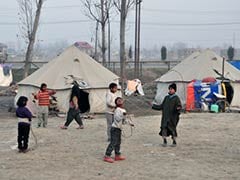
column 122, row 42
column 103, row 45
column 103, row 23
column 31, row 39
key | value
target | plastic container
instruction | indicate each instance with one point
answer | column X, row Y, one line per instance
column 214, row 108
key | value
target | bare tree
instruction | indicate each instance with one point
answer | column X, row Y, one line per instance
column 98, row 10
column 30, row 21
column 123, row 6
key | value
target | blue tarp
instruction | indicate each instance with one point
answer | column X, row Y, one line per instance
column 205, row 90
column 235, row 63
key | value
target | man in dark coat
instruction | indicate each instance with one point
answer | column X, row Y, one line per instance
column 170, row 107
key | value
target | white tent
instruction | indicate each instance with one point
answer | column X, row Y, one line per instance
column 199, row 65
column 56, row 73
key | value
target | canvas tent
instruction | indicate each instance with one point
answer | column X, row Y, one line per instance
column 56, row 74
column 198, row 65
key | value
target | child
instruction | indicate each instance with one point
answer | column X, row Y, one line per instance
column 24, row 122
column 110, row 106
column 116, row 130
column 43, row 104
column 74, row 111
column 170, row 107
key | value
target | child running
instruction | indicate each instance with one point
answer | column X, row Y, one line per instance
column 24, row 122
column 74, row 111
column 119, row 119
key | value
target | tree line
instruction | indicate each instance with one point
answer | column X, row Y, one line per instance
column 99, row 11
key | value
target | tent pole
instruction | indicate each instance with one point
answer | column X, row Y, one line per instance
column 223, row 68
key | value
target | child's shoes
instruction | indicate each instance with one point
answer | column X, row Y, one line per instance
column 63, row 127
column 25, row 150
column 174, row 144
column 119, row 158
column 80, row 127
column 108, row 159
column 164, row 142
column 20, row 150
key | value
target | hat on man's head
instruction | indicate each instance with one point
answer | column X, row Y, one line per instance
column 173, row 86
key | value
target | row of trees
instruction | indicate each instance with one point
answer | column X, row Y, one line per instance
column 97, row 10
column 230, row 53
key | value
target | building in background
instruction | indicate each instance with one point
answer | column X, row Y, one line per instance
column 85, row 47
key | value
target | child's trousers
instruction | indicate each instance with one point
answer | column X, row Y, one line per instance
column 23, row 135
column 109, row 118
column 42, row 115
column 115, row 142
column 73, row 114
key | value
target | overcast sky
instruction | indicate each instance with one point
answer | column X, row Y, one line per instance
column 205, row 23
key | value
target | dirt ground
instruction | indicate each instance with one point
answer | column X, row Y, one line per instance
column 208, row 148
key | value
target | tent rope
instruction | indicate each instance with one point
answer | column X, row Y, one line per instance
column 35, row 139
column 129, row 120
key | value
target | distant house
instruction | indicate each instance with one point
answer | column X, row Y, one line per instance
column 84, row 47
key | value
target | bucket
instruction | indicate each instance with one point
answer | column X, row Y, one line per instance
column 214, row 108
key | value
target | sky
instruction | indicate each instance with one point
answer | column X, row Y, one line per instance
column 197, row 23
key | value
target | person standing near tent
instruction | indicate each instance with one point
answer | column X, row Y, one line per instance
column 76, row 108
column 110, row 107
column 24, row 123
column 43, row 96
column 170, row 107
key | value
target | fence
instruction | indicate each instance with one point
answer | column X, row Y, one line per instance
column 112, row 66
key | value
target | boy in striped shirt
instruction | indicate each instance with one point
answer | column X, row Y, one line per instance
column 43, row 104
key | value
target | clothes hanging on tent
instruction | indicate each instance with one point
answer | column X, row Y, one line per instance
column 84, row 104
column 134, row 86
column 82, row 96
column 228, row 91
